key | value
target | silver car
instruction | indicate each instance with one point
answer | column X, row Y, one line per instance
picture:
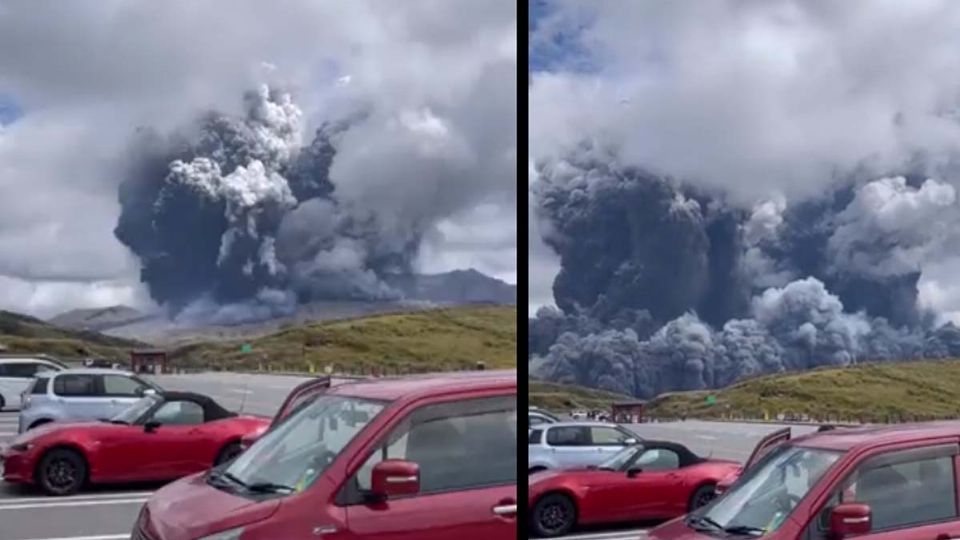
column 536, row 417
column 80, row 394
column 566, row 445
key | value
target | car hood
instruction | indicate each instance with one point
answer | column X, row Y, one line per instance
column 190, row 508
column 676, row 529
column 62, row 426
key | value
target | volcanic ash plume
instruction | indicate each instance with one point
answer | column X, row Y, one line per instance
column 664, row 287
column 242, row 214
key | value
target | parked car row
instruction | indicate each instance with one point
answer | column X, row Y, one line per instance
column 430, row 458
column 431, row 454
column 898, row 482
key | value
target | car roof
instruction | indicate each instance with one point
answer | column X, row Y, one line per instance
column 86, row 371
column 414, row 387
column 581, row 423
column 211, row 409
column 14, row 358
column 845, row 439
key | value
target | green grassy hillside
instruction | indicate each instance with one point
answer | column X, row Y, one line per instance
column 21, row 333
column 442, row 339
column 871, row 392
column 563, row 397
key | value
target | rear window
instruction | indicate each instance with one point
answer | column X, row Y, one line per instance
column 535, row 436
column 39, row 386
column 75, row 385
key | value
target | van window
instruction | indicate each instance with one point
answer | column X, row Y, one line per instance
column 909, row 493
column 39, row 386
column 20, row 370
column 458, row 446
column 75, row 385
column 118, row 385
column 608, row 436
column 568, row 436
column 535, row 436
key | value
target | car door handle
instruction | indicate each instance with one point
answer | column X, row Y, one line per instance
column 323, row 530
column 505, row 510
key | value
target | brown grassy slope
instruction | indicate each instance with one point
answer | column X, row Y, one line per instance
column 441, row 339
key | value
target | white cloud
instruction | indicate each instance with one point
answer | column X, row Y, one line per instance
column 762, row 100
column 89, row 74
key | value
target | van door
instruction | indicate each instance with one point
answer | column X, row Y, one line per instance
column 911, row 491
column 467, row 454
column 766, row 445
column 121, row 392
column 301, row 394
column 79, row 396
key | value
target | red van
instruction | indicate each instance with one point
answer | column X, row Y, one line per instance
column 875, row 483
column 425, row 458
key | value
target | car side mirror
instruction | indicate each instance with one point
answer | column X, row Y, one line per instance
column 394, row 477
column 151, row 426
column 849, row 519
column 632, row 473
column 628, row 442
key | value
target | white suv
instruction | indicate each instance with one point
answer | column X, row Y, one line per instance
column 16, row 375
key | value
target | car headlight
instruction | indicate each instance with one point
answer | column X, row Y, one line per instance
column 232, row 534
column 22, row 447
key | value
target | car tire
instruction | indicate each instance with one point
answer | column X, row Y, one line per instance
column 228, row 453
column 702, row 496
column 554, row 514
column 536, row 469
column 62, row 471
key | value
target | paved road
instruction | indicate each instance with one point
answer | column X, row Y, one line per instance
column 108, row 513
column 725, row 440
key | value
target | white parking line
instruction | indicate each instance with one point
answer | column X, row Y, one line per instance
column 124, row 536
column 99, row 502
column 90, row 497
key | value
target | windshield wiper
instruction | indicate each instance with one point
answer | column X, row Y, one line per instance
column 219, row 477
column 697, row 523
column 267, row 487
column 744, row 530
column 257, row 487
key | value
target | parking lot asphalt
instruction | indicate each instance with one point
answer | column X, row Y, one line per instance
column 108, row 513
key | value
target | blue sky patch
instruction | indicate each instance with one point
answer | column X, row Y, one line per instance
column 556, row 41
column 10, row 111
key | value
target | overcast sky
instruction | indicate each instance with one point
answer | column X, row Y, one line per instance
column 78, row 78
column 760, row 99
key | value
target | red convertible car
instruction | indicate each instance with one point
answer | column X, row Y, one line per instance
column 161, row 437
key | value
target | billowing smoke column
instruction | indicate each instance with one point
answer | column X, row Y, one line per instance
column 663, row 287
column 243, row 218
